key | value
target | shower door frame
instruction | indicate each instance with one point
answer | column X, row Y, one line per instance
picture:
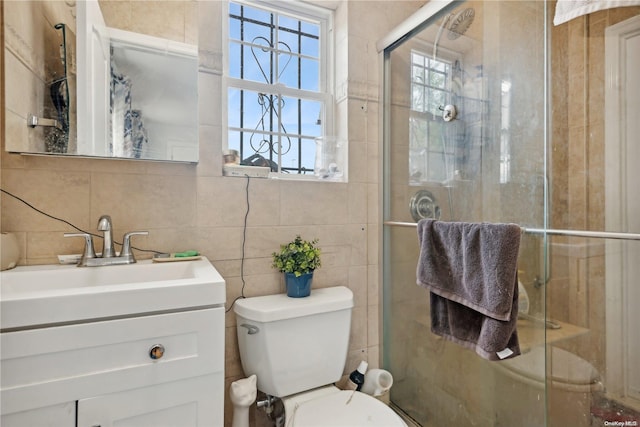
column 413, row 24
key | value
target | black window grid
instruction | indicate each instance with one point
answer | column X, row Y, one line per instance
column 272, row 135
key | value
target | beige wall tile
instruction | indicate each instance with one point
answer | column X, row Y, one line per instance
column 313, row 203
column 61, row 194
column 358, row 284
column 145, row 16
column 210, row 36
column 358, row 337
column 117, row 14
column 209, row 99
column 143, row 200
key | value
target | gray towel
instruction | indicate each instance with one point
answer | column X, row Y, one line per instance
column 471, row 271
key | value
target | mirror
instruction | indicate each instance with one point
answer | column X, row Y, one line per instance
column 115, row 79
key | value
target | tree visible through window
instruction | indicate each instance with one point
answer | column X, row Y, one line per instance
column 277, row 89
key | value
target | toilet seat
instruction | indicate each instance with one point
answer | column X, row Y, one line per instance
column 567, row 369
column 332, row 407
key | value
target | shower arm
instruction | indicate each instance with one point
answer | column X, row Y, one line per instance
column 553, row 232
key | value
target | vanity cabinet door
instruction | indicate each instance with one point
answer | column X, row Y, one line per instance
column 147, row 358
column 186, row 403
column 63, row 415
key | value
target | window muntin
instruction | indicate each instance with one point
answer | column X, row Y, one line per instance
column 277, row 99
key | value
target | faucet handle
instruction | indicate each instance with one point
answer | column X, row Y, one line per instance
column 126, row 243
column 89, row 252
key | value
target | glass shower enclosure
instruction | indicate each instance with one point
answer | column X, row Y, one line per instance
column 491, row 114
column 464, row 132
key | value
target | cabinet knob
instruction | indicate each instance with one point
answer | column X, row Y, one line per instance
column 156, row 351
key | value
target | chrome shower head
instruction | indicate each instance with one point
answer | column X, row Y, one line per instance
column 461, row 23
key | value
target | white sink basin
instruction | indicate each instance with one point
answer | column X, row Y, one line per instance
column 42, row 295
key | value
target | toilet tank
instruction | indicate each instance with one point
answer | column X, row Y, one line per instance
column 294, row 344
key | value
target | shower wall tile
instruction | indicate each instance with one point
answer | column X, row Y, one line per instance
column 576, row 292
column 620, row 14
column 595, row 177
column 596, row 73
column 576, row 179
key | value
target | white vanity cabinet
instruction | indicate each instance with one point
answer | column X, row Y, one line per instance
column 103, row 373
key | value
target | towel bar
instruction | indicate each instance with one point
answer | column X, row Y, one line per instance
column 572, row 233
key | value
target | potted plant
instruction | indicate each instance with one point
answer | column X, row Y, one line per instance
column 297, row 260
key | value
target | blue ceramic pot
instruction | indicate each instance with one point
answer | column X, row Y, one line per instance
column 298, row 287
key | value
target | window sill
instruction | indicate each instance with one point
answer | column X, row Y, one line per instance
column 300, row 177
column 291, row 177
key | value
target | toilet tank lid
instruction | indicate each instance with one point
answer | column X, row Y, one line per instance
column 271, row 308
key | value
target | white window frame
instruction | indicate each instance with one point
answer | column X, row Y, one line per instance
column 298, row 10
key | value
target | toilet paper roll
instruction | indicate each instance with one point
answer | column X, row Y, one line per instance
column 377, row 382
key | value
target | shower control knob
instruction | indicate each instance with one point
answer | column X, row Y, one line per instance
column 449, row 112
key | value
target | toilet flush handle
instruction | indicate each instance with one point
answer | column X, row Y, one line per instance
column 251, row 329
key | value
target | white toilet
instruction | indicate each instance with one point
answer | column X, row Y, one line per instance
column 297, row 347
column 569, row 383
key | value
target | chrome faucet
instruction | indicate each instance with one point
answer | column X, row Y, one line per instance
column 109, row 255
column 104, row 224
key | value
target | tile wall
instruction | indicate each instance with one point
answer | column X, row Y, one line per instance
column 576, row 291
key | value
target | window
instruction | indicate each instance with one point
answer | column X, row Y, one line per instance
column 278, row 94
column 505, row 133
column 431, row 153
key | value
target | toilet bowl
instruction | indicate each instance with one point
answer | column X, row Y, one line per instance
column 297, row 348
column 571, row 382
column 331, row 407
